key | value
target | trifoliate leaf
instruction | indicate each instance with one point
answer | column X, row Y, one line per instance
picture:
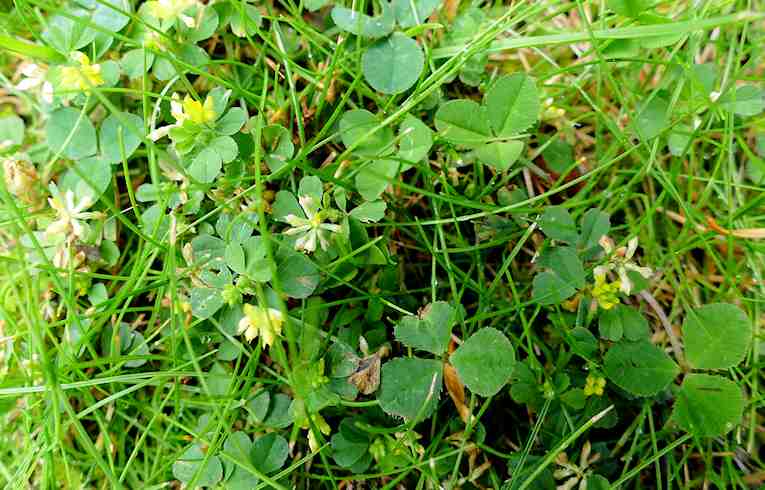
column 500, row 154
column 269, row 452
column 430, row 331
column 463, row 122
column 558, row 224
column 355, row 127
column 512, row 104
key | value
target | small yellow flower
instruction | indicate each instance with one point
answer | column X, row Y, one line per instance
column 193, row 110
column 594, row 385
column 266, row 322
column 322, row 425
column 82, row 76
column 606, row 292
column 170, row 9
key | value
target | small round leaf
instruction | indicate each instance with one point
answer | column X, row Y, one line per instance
column 717, row 336
column 393, row 64
column 639, row 367
column 485, row 361
column 707, row 405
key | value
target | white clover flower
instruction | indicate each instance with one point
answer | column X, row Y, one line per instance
column 311, row 227
column 71, row 215
column 621, row 262
column 35, row 78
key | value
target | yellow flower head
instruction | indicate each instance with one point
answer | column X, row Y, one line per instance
column 82, row 76
column 606, row 293
column 322, row 425
column 266, row 322
column 170, row 9
column 594, row 385
column 193, row 110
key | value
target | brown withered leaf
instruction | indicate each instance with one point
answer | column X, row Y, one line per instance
column 456, row 391
column 366, row 376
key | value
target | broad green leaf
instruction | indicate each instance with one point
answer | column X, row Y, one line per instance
column 231, row 122
column 206, row 21
column 257, row 264
column 355, row 125
column 11, row 129
column 679, row 139
column 415, row 141
column 225, row 147
column 245, row 21
column 584, row 342
column 622, row 320
column 595, row 223
column 363, row 25
column 298, row 276
column 393, row 64
column 629, row 8
column 597, row 482
column 127, row 126
column 279, row 414
column 485, row 361
column 410, row 387
column 708, row 406
column 549, row 289
column 430, row 331
column 413, row 12
column 206, row 166
column 500, row 154
column 238, row 447
column 96, row 170
column 192, row 462
column 747, row 100
column 463, row 122
column 652, row 118
column 349, row 444
column 278, row 146
column 558, row 155
column 621, row 48
column 259, row 404
column 205, row 301
column 524, row 386
column 558, row 224
column 640, row 368
column 269, row 452
column 565, row 263
column 369, row 212
column 716, row 336
column 136, row 62
column 284, row 205
column 512, row 104
column 372, row 180
column 71, row 134
column 219, row 380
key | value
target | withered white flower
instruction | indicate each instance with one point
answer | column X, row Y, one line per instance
column 621, row 262
column 71, row 214
column 35, row 78
column 311, row 228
